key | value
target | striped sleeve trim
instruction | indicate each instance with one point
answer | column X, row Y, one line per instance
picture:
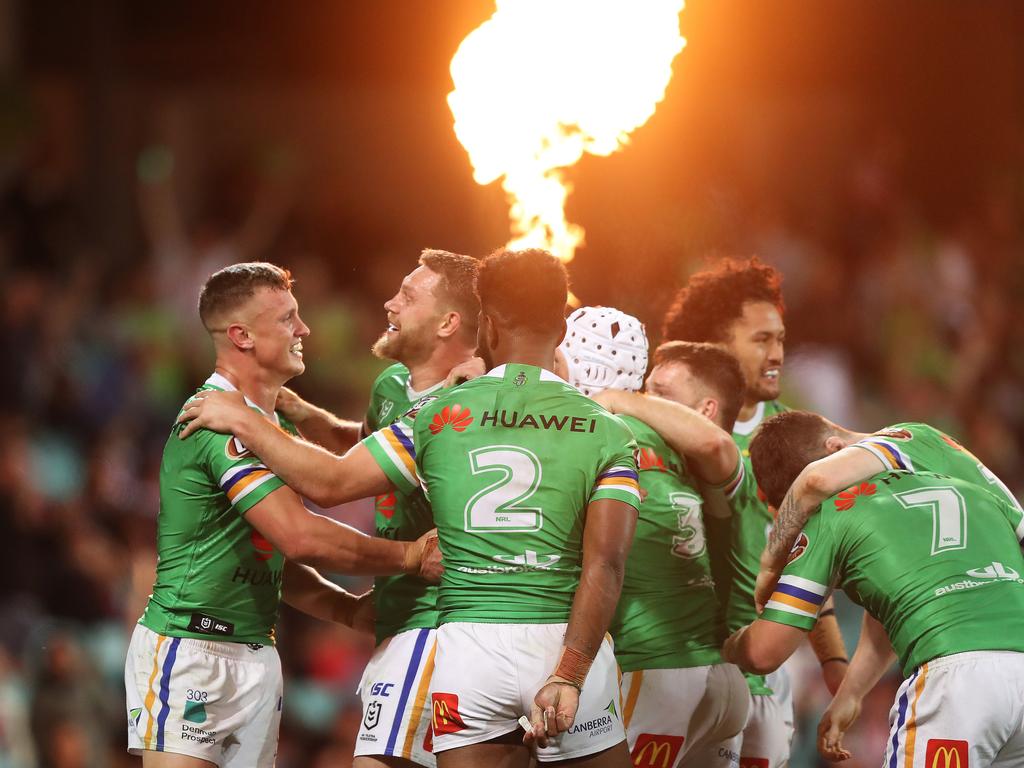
column 395, row 449
column 1020, row 531
column 798, row 596
column 621, row 478
column 241, row 480
column 886, row 452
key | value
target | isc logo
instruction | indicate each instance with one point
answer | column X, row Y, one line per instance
column 381, row 689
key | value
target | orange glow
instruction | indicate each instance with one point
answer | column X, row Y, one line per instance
column 544, row 81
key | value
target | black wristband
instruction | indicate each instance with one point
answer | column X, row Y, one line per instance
column 827, row 612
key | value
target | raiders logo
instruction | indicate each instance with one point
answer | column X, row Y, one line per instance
column 420, row 404
column 234, row 449
column 799, row 547
column 895, row 434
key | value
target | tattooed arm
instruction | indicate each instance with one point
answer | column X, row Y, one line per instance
column 819, row 480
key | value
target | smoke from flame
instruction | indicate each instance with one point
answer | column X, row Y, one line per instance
column 543, row 81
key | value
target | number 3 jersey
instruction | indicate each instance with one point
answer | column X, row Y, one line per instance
column 937, row 560
column 509, row 463
column 668, row 612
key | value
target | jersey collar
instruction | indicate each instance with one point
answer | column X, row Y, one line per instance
column 414, row 396
column 545, row 374
column 221, row 382
column 748, row 426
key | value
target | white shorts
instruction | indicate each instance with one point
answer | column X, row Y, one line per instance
column 396, row 713
column 220, row 702
column 768, row 734
column 486, row 676
column 960, row 711
column 685, row 717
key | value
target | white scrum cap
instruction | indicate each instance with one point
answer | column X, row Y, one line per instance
column 604, row 348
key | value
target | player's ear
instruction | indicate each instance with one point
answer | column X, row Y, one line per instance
column 708, row 408
column 239, row 335
column 450, row 324
column 834, row 443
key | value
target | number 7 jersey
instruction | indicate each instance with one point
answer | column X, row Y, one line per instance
column 935, row 559
column 509, row 463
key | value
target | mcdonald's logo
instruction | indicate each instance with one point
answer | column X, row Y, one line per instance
column 446, row 717
column 754, row 762
column 654, row 750
column 946, row 753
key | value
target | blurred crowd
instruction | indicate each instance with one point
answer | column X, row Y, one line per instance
column 890, row 317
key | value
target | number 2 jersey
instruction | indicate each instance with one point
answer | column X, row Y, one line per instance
column 216, row 577
column 509, row 463
column 935, row 559
column 403, row 601
column 668, row 612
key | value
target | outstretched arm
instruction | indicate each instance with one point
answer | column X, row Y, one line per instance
column 306, row 590
column 707, row 446
column 762, row 646
column 326, row 544
column 818, row 480
column 317, row 474
column 606, row 541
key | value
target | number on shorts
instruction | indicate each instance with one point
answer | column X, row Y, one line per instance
column 949, row 515
column 500, row 506
column 690, row 541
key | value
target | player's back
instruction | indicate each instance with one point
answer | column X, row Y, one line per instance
column 509, row 462
column 937, row 560
column 667, row 615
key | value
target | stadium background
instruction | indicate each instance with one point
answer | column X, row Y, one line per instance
column 873, row 150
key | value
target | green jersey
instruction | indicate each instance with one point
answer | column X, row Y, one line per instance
column 509, row 462
column 402, row 602
column 935, row 559
column 913, row 447
column 751, row 521
column 667, row 614
column 217, row 578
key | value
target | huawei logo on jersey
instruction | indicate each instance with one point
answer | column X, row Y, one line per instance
column 648, row 459
column 848, row 498
column 456, row 415
column 385, row 504
column 264, row 550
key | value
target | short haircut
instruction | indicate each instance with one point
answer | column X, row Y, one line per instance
column 229, row 288
column 714, row 367
column 782, row 446
column 456, row 290
column 712, row 300
column 526, row 290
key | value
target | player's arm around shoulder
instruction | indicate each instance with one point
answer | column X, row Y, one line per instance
column 319, row 475
column 816, row 482
column 318, row 425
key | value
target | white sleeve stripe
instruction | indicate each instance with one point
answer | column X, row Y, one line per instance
column 395, row 459
column 802, row 583
column 230, row 474
column 1020, row 531
column 777, row 606
column 252, row 487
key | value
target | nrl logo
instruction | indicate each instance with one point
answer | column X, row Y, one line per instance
column 372, row 716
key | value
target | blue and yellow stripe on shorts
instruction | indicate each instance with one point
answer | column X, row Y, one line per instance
column 160, row 693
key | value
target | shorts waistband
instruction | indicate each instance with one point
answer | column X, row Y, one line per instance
column 957, row 658
column 236, row 651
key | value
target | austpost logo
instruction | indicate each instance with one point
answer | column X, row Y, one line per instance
column 654, row 750
column 456, row 415
column 446, row 717
column 946, row 753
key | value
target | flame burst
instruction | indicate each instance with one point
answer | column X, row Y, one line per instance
column 543, row 81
